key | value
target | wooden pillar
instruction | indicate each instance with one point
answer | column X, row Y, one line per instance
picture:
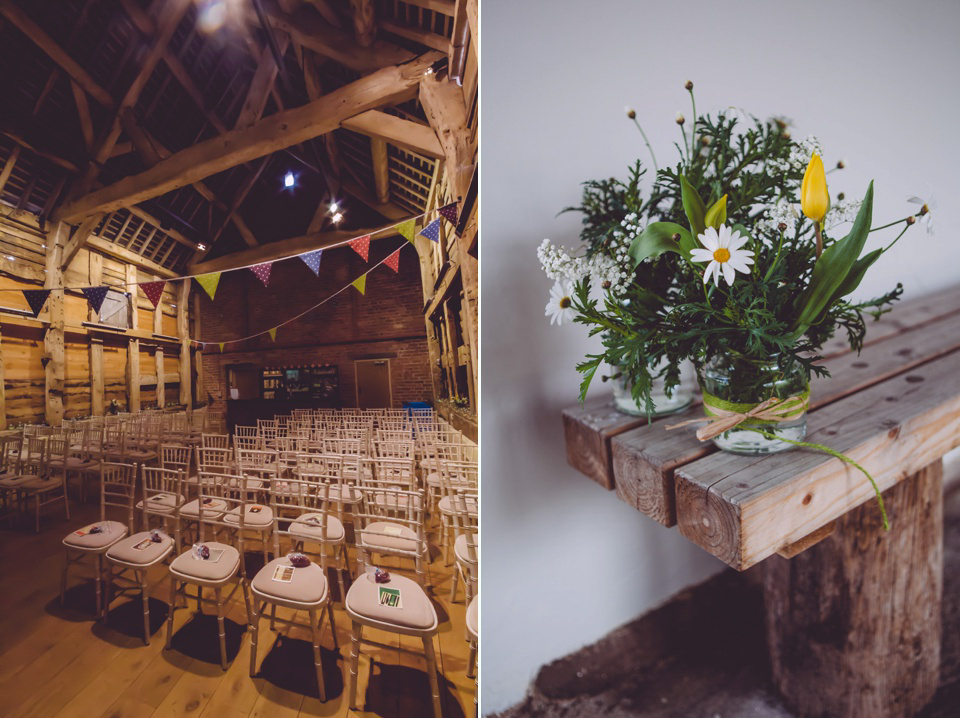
column 199, row 389
column 853, row 623
column 428, row 278
column 183, row 331
column 96, row 345
column 381, row 171
column 133, row 345
column 3, row 392
column 158, row 356
column 53, row 348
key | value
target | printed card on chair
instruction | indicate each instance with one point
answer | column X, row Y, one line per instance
column 143, row 545
column 283, row 574
column 215, row 554
column 392, row 531
column 390, row 597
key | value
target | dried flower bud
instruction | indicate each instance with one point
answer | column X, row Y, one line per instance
column 704, row 140
column 689, row 85
column 675, row 237
column 840, row 196
column 782, row 226
column 631, row 113
column 680, row 118
column 786, row 135
column 911, row 220
column 841, row 164
column 606, row 284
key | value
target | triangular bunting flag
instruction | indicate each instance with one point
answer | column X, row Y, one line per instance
column 393, row 261
column 95, row 296
column 273, row 334
column 406, row 229
column 263, row 272
column 209, row 283
column 221, row 347
column 312, row 260
column 361, row 245
column 432, row 230
column 360, row 283
column 449, row 212
column 153, row 290
column 35, row 298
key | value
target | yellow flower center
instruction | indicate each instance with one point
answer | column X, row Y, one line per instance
column 565, row 302
column 721, row 255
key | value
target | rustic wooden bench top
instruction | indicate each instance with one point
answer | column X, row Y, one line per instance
column 895, row 409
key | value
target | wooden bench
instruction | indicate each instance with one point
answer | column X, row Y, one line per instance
column 852, row 610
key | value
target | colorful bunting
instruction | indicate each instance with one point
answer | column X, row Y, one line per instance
column 36, row 298
column 95, row 296
column 273, row 334
column 449, row 212
column 221, row 346
column 361, row 245
column 209, row 283
column 312, row 260
column 153, row 290
column 393, row 261
column 263, row 272
column 432, row 230
column 360, row 284
column 406, row 229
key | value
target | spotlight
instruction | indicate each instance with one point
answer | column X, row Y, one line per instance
column 201, row 247
column 289, row 180
column 336, row 218
column 334, row 206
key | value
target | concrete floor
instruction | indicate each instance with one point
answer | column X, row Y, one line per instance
column 702, row 655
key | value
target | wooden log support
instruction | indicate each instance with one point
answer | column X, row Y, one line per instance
column 133, row 345
column 588, row 431
column 381, row 172
column 364, row 26
column 199, row 392
column 410, row 135
column 53, row 339
column 853, row 623
column 3, row 392
column 96, row 344
column 183, row 331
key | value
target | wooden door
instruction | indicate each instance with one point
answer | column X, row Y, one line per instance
column 373, row 384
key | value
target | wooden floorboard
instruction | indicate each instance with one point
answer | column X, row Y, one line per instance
column 58, row 662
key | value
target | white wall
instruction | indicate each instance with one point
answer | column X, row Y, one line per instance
column 564, row 561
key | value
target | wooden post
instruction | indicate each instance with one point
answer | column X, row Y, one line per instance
column 183, row 331
column 381, row 170
column 3, row 393
column 158, row 356
column 53, row 349
column 199, row 391
column 133, row 345
column 364, row 26
column 96, row 345
column 853, row 623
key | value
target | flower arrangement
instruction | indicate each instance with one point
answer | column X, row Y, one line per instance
column 734, row 258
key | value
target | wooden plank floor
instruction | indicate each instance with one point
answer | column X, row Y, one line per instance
column 57, row 662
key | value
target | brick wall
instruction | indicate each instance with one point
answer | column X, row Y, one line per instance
column 385, row 322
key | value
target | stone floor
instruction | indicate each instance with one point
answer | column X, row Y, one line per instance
column 703, row 655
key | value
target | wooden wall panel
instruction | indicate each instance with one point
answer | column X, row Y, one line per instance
column 76, row 394
column 24, row 380
column 115, row 375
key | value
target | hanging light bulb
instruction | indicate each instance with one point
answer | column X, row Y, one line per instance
column 289, row 180
column 334, row 206
column 336, row 218
column 201, row 247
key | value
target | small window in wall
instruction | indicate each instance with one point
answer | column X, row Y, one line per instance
column 115, row 310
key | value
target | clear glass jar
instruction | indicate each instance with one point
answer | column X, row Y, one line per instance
column 746, row 382
column 678, row 400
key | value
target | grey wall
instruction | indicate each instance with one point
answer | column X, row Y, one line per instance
column 563, row 560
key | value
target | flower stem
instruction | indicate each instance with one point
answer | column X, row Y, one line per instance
column 819, row 239
column 776, row 260
column 684, row 132
column 693, row 125
column 890, row 224
column 644, row 135
column 895, row 239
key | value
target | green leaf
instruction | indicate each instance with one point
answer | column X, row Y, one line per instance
column 693, row 206
column 656, row 239
column 855, row 276
column 834, row 266
column 717, row 214
column 588, row 369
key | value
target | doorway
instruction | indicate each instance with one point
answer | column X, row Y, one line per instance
column 374, row 390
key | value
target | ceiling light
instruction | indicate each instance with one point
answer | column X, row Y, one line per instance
column 336, row 218
column 201, row 247
column 11, row 259
column 289, row 179
column 334, row 206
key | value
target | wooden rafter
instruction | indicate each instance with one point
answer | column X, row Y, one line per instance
column 417, row 34
column 260, row 87
column 364, row 26
column 241, row 195
column 279, row 131
column 446, row 111
column 83, row 112
column 28, row 27
column 404, row 133
column 446, row 7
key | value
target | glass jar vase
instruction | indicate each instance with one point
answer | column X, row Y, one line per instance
column 678, row 400
column 737, row 384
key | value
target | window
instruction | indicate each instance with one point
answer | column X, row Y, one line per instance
column 115, row 310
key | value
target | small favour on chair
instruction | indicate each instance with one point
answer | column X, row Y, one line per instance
column 156, row 536
column 201, row 552
column 298, row 559
column 381, row 576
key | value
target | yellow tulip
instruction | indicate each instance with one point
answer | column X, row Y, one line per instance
column 814, row 198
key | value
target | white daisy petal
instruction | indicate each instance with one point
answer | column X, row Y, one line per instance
column 739, row 265
column 737, row 241
column 915, row 200
column 728, row 272
column 709, row 239
column 701, row 255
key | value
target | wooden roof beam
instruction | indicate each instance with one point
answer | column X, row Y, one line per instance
column 260, row 87
column 279, row 131
column 41, row 39
column 364, row 26
column 403, row 133
column 446, row 7
column 419, row 35
column 442, row 101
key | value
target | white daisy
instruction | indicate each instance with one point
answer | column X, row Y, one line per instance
column 925, row 215
column 560, row 306
column 722, row 250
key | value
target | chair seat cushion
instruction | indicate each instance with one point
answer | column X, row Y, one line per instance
column 363, row 599
column 433, row 479
column 308, row 527
column 445, row 505
column 252, row 516
column 140, row 454
column 186, row 567
column 250, row 483
column 473, row 617
column 14, row 481
column 164, row 502
column 124, row 551
column 212, row 510
column 465, row 548
column 113, row 532
column 37, row 483
column 389, row 536
column 308, row 584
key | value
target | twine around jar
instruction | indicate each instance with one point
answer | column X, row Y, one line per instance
column 725, row 415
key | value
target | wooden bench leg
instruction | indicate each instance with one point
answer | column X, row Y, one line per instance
column 853, row 623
